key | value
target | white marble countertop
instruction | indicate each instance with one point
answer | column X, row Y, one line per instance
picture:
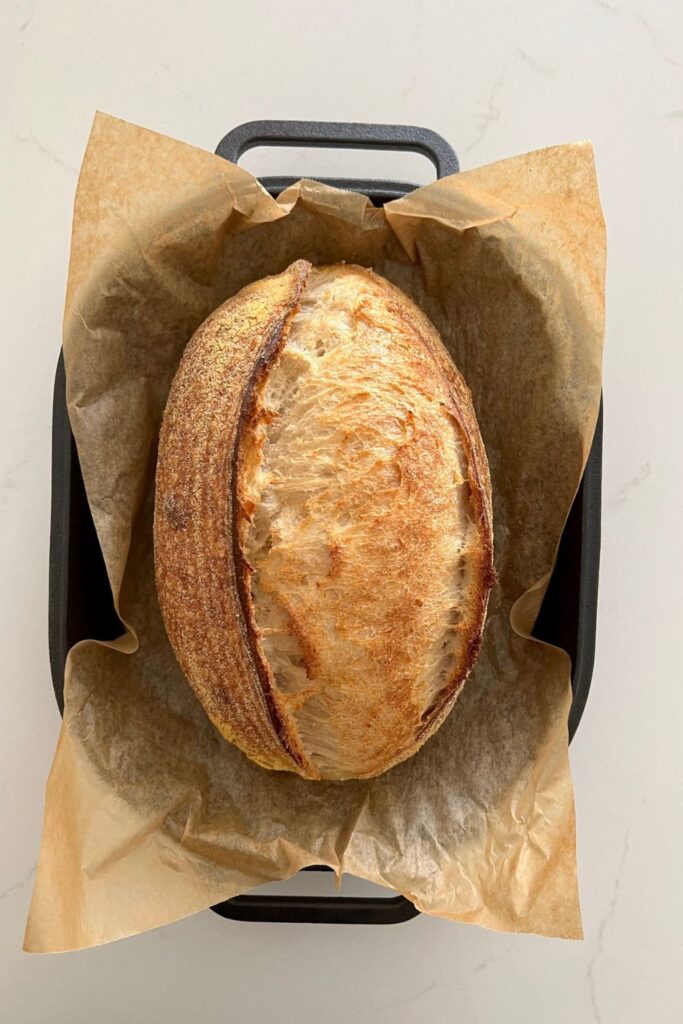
column 495, row 79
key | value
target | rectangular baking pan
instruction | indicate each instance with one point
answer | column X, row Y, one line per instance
column 80, row 604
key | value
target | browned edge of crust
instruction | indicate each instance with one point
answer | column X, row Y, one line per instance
column 268, row 355
column 479, row 480
column 266, row 323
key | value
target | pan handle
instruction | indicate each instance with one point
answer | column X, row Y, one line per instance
column 318, row 909
column 340, row 135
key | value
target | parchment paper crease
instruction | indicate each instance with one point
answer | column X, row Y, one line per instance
column 150, row 815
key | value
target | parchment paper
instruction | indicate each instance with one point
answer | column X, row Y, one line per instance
column 150, row 814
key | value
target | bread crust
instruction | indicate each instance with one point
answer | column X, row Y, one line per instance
column 211, row 434
column 197, row 579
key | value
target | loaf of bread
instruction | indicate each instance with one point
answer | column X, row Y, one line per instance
column 323, row 537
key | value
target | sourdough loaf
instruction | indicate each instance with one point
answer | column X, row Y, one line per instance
column 323, row 538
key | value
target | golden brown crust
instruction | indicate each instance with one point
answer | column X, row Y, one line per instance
column 464, row 417
column 217, row 431
column 193, row 537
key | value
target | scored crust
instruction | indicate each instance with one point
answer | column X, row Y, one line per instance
column 193, row 513
column 323, row 539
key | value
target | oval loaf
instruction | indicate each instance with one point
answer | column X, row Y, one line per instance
column 323, row 538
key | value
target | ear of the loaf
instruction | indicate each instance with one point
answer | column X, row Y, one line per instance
column 198, row 578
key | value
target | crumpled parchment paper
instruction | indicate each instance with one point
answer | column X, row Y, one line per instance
column 150, row 814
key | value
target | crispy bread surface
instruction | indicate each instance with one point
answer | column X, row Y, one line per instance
column 323, row 534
